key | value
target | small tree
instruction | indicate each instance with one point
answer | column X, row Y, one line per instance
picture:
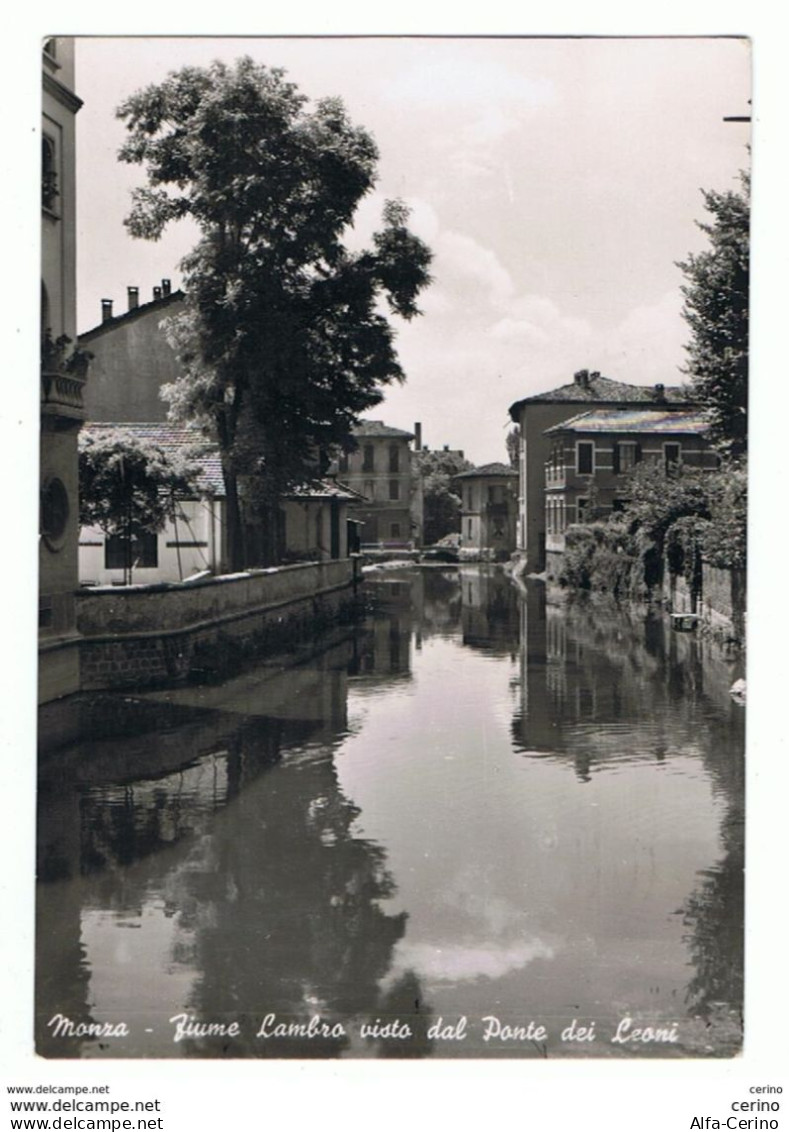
column 716, row 310
column 129, row 487
column 442, row 502
column 283, row 344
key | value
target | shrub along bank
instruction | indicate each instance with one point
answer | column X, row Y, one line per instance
column 675, row 521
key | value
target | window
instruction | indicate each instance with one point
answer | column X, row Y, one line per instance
column 368, row 464
column 394, row 530
column 144, row 552
column 394, row 458
column 369, row 490
column 394, row 489
column 469, row 528
column 582, row 510
column 626, row 455
column 54, row 513
column 671, row 454
column 584, row 457
column 343, row 465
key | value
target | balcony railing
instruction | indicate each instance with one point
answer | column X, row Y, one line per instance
column 555, row 475
column 61, row 394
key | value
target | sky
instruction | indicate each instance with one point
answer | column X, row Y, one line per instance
column 557, row 180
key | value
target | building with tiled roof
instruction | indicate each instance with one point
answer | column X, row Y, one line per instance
column 366, row 429
column 678, row 422
column 593, row 387
column 536, row 414
column 175, row 441
column 592, row 453
column 489, row 510
column 314, row 518
column 484, row 470
column 380, row 470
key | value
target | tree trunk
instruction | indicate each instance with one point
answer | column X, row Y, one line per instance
column 236, row 542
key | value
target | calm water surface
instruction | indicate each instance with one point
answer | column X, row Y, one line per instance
column 479, row 810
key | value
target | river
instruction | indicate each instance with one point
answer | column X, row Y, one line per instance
column 487, row 821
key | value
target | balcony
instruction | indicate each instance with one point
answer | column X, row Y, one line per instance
column 555, row 475
column 63, row 376
column 61, row 395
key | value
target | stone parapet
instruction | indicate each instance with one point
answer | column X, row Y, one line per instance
column 142, row 636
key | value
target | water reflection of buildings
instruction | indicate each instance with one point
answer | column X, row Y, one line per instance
column 490, row 610
column 235, row 860
column 600, row 686
column 593, row 675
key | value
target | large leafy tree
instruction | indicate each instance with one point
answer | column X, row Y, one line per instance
column 716, row 310
column 283, row 342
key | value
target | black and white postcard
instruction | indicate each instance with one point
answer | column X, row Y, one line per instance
column 394, row 635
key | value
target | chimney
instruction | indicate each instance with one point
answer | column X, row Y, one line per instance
column 660, row 392
column 418, row 436
column 446, row 447
column 581, row 377
column 157, row 293
column 134, row 297
column 166, row 288
column 106, row 310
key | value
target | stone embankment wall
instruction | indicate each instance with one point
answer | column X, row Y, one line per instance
column 142, row 636
column 721, row 605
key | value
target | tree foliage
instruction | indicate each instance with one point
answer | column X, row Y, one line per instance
column 716, row 310
column 442, row 502
column 128, row 486
column 677, row 515
column 283, row 342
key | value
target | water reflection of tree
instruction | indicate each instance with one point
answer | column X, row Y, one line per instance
column 714, row 915
column 253, row 850
column 289, row 912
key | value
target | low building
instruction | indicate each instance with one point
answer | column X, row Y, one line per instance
column 314, row 521
column 380, row 470
column 592, row 453
column 489, row 510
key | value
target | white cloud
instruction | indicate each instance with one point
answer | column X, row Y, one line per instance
column 467, row 268
column 450, row 81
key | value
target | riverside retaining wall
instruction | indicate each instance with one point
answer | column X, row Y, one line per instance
column 142, row 636
column 721, row 604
